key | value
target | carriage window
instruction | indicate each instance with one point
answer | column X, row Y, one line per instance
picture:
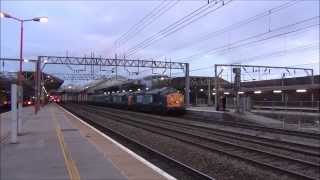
column 147, row 99
column 116, row 99
column 119, row 99
column 139, row 99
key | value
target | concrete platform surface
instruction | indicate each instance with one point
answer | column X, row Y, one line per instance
column 229, row 115
column 56, row 145
column 254, row 117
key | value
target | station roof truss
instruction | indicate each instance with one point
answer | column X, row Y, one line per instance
column 111, row 62
column 93, row 62
column 265, row 78
column 78, row 76
column 257, row 72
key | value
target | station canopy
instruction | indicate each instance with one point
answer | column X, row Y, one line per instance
column 51, row 83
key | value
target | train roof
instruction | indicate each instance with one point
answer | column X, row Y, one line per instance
column 163, row 90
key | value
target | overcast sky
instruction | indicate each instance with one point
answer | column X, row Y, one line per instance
column 286, row 37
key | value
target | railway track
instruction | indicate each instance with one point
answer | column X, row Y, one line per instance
column 312, row 150
column 255, row 151
column 147, row 151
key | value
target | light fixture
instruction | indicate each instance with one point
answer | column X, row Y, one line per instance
column 139, row 89
column 41, row 19
column 213, row 93
column 162, row 78
column 257, row 92
column 226, row 93
column 201, row 90
column 130, row 90
column 123, row 90
column 25, row 60
column 277, row 91
column 147, row 89
column 105, row 93
column 69, row 87
column 4, row 15
column 301, row 90
column 240, row 92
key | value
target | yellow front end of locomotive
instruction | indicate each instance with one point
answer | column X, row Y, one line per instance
column 175, row 100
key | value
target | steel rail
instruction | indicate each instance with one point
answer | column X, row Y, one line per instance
column 197, row 174
column 129, row 120
column 173, row 129
column 312, row 150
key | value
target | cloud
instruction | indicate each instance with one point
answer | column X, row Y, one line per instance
column 81, row 27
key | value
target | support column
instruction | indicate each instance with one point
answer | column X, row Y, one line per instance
column 20, row 97
column 35, row 76
column 38, row 84
column 187, row 86
column 209, row 92
column 312, row 82
column 216, row 87
column 14, row 114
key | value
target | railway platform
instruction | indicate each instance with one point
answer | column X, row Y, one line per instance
column 55, row 144
column 209, row 111
column 254, row 117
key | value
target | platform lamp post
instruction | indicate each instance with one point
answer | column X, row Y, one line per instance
column 20, row 75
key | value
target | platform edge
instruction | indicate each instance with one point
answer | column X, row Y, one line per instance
column 136, row 156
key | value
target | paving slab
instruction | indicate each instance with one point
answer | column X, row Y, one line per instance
column 57, row 145
column 39, row 153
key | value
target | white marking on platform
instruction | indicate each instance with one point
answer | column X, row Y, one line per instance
column 136, row 156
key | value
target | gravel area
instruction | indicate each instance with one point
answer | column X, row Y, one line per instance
column 213, row 125
column 248, row 144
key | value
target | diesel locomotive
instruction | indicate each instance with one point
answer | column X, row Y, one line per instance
column 164, row 100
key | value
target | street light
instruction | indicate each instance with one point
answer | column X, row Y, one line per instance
column 21, row 21
column 20, row 76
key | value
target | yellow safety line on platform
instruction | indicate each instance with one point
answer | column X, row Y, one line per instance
column 71, row 165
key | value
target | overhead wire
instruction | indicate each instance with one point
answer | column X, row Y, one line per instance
column 236, row 25
column 178, row 25
column 150, row 18
column 237, row 45
column 117, row 42
column 312, row 46
column 308, row 47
